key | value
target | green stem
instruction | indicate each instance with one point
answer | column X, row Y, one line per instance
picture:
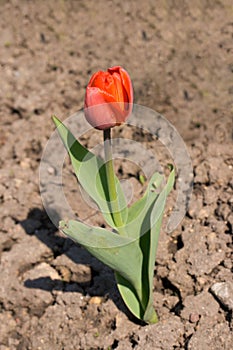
column 116, row 214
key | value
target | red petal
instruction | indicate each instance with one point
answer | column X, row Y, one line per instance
column 97, row 112
column 126, row 82
column 93, row 78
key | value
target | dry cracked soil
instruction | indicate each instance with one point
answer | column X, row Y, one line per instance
column 179, row 54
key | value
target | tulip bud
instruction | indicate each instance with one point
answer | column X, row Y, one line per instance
column 109, row 98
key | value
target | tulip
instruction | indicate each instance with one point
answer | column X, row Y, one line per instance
column 129, row 245
column 109, row 98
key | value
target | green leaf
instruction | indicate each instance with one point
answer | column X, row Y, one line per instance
column 151, row 240
column 144, row 222
column 122, row 254
column 91, row 173
column 129, row 296
column 138, row 211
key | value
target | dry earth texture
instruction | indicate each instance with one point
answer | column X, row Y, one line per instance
column 53, row 294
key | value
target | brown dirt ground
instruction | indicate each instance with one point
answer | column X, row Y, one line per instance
column 53, row 294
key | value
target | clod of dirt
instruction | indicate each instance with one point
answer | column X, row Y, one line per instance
column 211, row 336
column 202, row 304
column 223, row 291
column 162, row 336
column 40, row 281
column 76, row 272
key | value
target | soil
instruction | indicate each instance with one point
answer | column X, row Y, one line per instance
column 53, row 294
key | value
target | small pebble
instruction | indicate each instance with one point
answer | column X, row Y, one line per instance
column 96, row 300
column 201, row 280
column 51, row 170
column 194, row 317
column 18, row 183
column 25, row 164
column 224, row 293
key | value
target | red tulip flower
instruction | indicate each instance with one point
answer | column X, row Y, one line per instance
column 109, row 98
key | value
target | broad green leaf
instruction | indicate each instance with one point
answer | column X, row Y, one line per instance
column 129, row 296
column 143, row 309
column 140, row 209
column 91, row 173
column 133, row 303
column 146, row 227
column 122, row 254
column 154, row 237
